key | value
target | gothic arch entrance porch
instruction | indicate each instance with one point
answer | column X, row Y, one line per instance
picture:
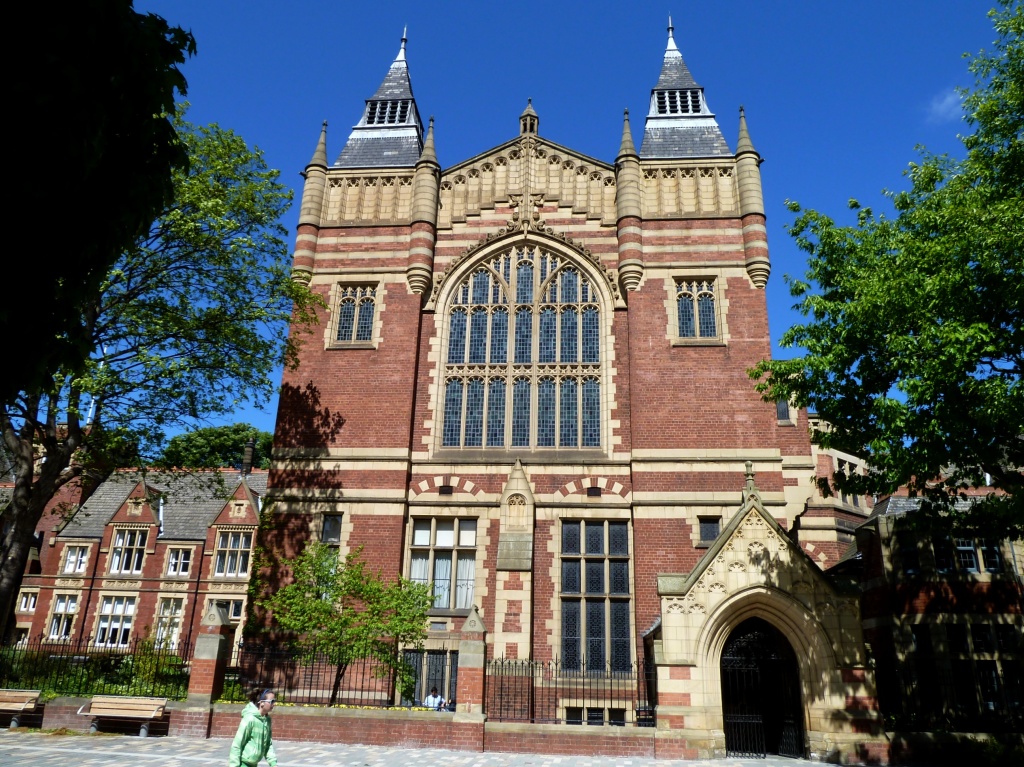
column 761, row 703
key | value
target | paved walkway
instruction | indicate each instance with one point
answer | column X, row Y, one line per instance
column 40, row 750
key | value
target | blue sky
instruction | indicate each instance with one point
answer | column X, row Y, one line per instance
column 837, row 95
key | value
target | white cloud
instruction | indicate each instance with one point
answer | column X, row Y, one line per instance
column 945, row 107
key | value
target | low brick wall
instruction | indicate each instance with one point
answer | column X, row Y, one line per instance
column 407, row 729
column 188, row 722
column 570, row 739
column 63, row 712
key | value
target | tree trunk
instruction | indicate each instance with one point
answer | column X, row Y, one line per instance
column 32, row 492
column 17, row 544
column 338, row 674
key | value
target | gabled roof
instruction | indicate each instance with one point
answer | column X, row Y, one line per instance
column 898, row 505
column 390, row 133
column 191, row 501
column 753, row 514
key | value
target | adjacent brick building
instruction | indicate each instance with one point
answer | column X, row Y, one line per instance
column 945, row 620
column 141, row 558
column 529, row 388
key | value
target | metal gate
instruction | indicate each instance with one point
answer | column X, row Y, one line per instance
column 761, row 693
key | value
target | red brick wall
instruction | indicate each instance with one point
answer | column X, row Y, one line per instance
column 407, row 729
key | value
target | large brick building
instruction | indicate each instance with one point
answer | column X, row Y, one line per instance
column 528, row 388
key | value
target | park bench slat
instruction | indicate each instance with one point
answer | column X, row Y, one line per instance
column 117, row 707
column 18, row 700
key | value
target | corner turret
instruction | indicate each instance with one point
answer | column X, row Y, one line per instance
column 755, row 235
column 628, row 209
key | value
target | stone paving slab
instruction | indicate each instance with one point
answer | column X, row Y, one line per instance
column 40, row 750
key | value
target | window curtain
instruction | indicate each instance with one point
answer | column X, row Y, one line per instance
column 442, row 580
column 419, row 572
column 465, row 576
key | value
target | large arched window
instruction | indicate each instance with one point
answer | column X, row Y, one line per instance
column 523, row 359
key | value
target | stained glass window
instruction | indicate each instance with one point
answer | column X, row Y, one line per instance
column 595, row 596
column 453, row 413
column 520, row 320
column 546, row 413
column 356, row 306
column 478, row 337
column 457, row 337
column 695, row 307
column 496, row 413
column 474, row 413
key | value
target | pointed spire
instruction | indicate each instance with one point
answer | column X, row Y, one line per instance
column 743, row 142
column 320, row 153
column 428, row 154
column 679, row 122
column 671, row 47
column 626, row 148
column 390, row 133
column 401, row 52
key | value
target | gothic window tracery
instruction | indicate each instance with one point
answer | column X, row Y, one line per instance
column 695, row 306
column 523, row 355
column 356, row 304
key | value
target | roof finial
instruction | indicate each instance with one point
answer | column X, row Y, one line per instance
column 671, row 40
column 401, row 52
column 626, row 146
column 528, row 120
column 743, row 142
column 320, row 153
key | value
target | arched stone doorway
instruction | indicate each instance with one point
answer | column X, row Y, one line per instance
column 761, row 704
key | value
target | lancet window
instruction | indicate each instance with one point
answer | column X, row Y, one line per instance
column 523, row 355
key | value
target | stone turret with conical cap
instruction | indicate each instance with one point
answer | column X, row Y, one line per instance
column 748, row 178
column 420, row 269
column 390, row 133
column 679, row 122
column 629, row 210
column 311, row 211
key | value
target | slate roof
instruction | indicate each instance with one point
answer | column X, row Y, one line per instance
column 683, row 141
column 380, row 151
column 896, row 505
column 389, row 145
column 675, row 75
column 679, row 134
column 396, row 84
column 192, row 501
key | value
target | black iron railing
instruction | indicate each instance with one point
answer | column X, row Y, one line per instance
column 138, row 668
column 318, row 679
column 546, row 692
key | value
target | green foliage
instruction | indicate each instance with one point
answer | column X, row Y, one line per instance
column 101, row 94
column 215, row 447
column 190, row 323
column 147, row 670
column 337, row 608
column 915, row 342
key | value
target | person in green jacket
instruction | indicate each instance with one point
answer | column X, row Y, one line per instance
column 253, row 740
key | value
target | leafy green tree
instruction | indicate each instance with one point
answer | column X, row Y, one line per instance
column 97, row 101
column 214, row 447
column 189, row 323
column 915, row 338
column 337, row 608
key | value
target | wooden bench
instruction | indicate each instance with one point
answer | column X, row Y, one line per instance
column 118, row 707
column 18, row 702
